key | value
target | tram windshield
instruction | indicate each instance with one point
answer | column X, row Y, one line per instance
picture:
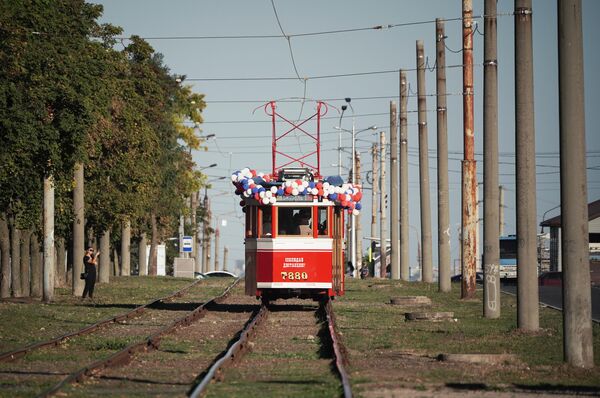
column 266, row 222
column 294, row 221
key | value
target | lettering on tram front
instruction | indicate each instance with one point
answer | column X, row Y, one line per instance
column 293, row 262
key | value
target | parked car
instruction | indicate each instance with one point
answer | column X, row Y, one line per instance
column 478, row 277
column 552, row 278
column 220, row 274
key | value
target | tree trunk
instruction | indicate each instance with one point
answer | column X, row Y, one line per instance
column 116, row 262
column 61, row 271
column 5, row 249
column 49, row 265
column 104, row 266
column 126, row 248
column 78, row 250
column 15, row 257
column 36, row 267
column 153, row 247
column 25, row 262
column 143, row 266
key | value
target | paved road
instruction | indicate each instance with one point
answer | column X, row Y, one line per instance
column 552, row 295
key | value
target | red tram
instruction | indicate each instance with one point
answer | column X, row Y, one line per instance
column 294, row 229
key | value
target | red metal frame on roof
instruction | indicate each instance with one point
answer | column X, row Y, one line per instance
column 303, row 160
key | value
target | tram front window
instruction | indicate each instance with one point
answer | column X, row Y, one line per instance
column 266, row 222
column 294, row 221
column 323, row 230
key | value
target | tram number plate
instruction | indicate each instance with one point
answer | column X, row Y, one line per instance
column 294, row 276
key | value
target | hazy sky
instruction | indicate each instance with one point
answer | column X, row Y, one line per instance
column 244, row 135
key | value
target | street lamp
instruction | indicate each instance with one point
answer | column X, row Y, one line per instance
column 207, row 167
column 353, row 178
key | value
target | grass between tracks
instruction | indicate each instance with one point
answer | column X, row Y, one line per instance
column 385, row 351
column 388, row 352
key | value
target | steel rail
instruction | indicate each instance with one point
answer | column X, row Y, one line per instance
column 234, row 350
column 20, row 352
column 339, row 353
column 151, row 342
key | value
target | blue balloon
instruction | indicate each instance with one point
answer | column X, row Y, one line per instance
column 358, row 206
column 254, row 190
column 280, row 192
column 332, row 196
column 311, row 184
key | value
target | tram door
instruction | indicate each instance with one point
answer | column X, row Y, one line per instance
column 338, row 250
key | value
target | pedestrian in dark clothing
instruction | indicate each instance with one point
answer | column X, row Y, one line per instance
column 89, row 262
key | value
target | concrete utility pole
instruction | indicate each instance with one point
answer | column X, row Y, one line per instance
column 469, row 169
column 78, row 230
column 382, row 207
column 394, row 198
column 357, row 225
column 205, row 233
column 126, row 248
column 426, row 264
column 217, row 236
column 374, row 192
column 404, row 258
column 444, row 284
column 491, row 238
column 577, row 317
column 527, row 282
column 195, row 226
column 49, row 268
column 225, row 257
column 501, row 210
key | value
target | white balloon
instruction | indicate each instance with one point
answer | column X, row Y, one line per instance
column 295, row 191
column 268, row 194
column 261, row 194
column 294, row 184
column 265, row 200
column 272, row 200
column 274, row 189
column 355, row 212
column 325, row 185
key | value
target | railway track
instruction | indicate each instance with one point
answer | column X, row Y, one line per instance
column 183, row 351
column 288, row 322
column 110, row 342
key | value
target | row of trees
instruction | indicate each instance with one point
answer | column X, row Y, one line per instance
column 79, row 113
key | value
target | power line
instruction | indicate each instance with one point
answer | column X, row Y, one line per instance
column 316, row 77
column 305, row 34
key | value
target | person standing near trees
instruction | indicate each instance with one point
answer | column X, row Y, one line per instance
column 89, row 262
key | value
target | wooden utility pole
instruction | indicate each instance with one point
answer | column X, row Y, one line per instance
column 15, row 258
column 527, row 279
column 49, row 268
column 78, row 230
column 426, row 263
column 394, row 194
column 206, row 234
column 382, row 208
column 469, row 170
column 444, row 284
column 374, row 199
column 577, row 314
column 501, row 210
column 404, row 222
column 491, row 238
column 126, row 248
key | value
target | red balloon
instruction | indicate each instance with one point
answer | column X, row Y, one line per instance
column 319, row 186
column 351, row 205
column 358, row 197
column 257, row 196
column 288, row 190
column 253, row 173
column 344, row 203
column 299, row 182
column 321, row 193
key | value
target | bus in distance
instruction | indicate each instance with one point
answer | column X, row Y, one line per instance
column 508, row 256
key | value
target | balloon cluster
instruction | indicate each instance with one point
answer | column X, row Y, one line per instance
column 262, row 187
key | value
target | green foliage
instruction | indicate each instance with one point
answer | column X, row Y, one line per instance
column 68, row 95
